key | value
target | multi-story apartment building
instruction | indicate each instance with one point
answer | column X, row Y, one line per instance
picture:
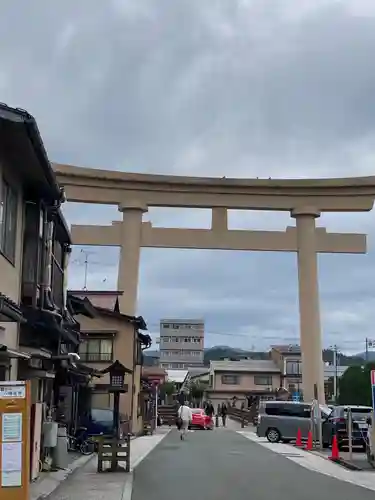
column 181, row 343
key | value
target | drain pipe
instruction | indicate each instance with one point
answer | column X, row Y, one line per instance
column 43, row 260
column 67, row 250
column 48, row 269
column 46, row 302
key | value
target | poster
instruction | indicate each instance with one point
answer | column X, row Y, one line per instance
column 11, row 479
column 11, row 457
column 12, row 427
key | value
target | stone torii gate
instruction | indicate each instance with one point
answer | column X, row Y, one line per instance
column 304, row 199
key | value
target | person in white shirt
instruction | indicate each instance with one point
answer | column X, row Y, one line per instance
column 185, row 415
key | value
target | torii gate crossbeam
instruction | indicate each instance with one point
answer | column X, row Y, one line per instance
column 305, row 199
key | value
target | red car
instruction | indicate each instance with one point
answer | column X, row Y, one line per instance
column 200, row 420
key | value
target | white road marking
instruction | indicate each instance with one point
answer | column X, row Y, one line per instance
column 315, row 463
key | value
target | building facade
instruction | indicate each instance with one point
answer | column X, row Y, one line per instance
column 288, row 359
column 107, row 337
column 181, row 343
column 39, row 336
column 245, row 380
column 237, row 380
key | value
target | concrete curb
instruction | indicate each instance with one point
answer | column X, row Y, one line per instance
column 144, row 455
column 128, row 486
column 45, row 487
column 339, row 461
column 344, row 463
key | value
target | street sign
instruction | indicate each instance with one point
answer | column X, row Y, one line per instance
column 15, row 404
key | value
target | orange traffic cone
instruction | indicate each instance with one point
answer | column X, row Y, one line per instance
column 309, row 444
column 335, row 449
column 299, row 438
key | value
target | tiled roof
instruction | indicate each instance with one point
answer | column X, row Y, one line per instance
column 195, row 372
column 23, row 145
column 106, row 301
column 153, row 370
column 246, row 365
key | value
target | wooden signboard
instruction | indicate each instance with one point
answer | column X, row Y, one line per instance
column 14, row 440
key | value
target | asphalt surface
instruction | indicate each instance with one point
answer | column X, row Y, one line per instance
column 222, row 464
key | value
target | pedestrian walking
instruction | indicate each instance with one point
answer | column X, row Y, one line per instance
column 185, row 417
column 224, row 413
column 210, row 411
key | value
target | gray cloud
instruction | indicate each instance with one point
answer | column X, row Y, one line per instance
column 242, row 88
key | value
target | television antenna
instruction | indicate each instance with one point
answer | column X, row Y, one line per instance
column 86, row 254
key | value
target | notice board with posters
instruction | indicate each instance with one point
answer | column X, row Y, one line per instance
column 14, row 440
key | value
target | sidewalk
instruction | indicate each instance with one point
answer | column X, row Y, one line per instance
column 47, row 482
column 84, row 482
column 314, row 461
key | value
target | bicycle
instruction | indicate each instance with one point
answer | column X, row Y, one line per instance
column 81, row 443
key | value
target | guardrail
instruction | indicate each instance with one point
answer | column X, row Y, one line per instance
column 245, row 416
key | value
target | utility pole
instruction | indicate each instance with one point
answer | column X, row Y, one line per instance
column 335, row 373
column 366, row 351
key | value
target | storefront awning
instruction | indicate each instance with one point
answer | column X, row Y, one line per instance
column 9, row 310
column 8, row 353
column 76, row 372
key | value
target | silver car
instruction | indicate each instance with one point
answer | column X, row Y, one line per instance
column 280, row 420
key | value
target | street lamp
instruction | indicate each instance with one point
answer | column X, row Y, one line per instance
column 117, row 386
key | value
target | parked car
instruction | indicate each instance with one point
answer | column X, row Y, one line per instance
column 200, row 420
column 100, row 421
column 337, row 424
column 280, row 420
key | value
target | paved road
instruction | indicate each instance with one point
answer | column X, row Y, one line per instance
column 223, row 464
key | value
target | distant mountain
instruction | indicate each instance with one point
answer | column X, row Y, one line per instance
column 343, row 360
column 153, row 353
column 219, row 352
column 222, row 351
column 370, row 355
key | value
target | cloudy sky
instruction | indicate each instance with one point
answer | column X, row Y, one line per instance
column 241, row 88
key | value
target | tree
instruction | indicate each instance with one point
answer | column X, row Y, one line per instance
column 197, row 390
column 355, row 385
column 167, row 390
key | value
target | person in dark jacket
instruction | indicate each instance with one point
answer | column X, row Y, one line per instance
column 210, row 410
column 224, row 413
